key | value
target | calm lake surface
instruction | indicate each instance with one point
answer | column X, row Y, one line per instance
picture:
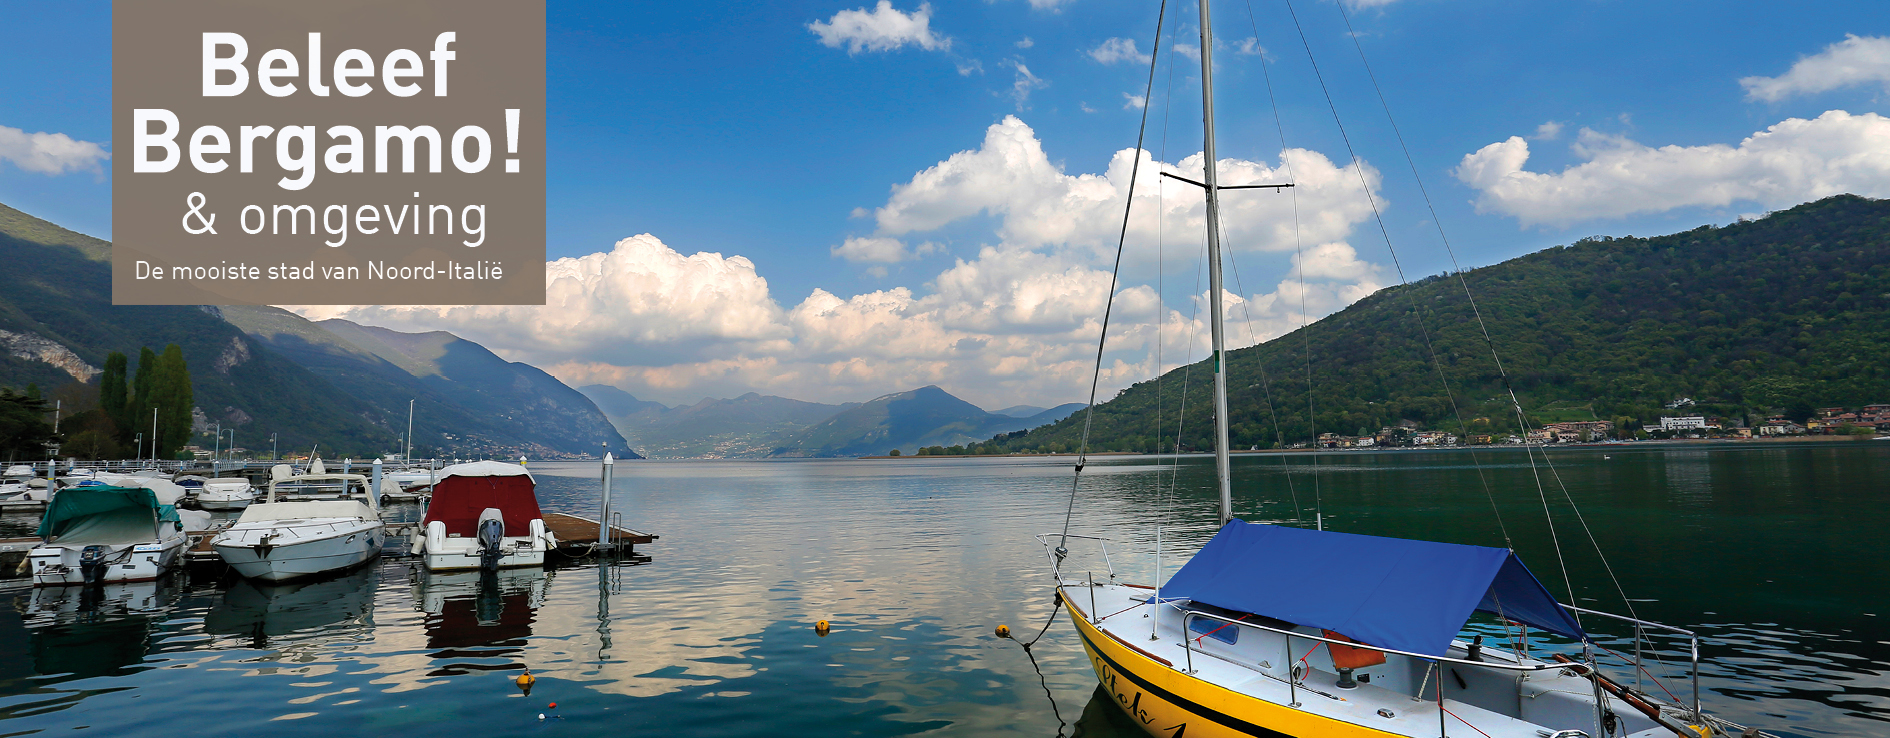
column 1774, row 553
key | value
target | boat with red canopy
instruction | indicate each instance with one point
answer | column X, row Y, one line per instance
column 484, row 515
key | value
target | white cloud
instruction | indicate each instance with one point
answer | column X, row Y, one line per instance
column 1118, row 50
column 881, row 29
column 1025, row 43
column 970, row 66
column 1363, row 4
column 1250, row 46
column 1189, row 50
column 1017, row 322
column 1133, row 102
column 881, row 250
column 1794, row 161
column 1548, row 131
column 1857, row 60
column 1084, row 106
column 1025, row 84
column 49, row 153
column 1011, row 177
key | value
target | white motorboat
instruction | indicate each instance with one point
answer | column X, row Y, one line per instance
column 484, row 515
column 168, row 492
column 276, row 541
column 226, row 493
column 18, row 488
column 95, row 533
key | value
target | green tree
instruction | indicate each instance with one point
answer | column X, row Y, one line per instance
column 113, row 393
column 138, row 410
column 24, row 427
column 170, row 388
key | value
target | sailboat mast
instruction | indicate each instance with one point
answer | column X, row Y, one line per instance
column 1221, row 462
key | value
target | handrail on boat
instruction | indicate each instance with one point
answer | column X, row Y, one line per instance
column 1057, row 566
column 1187, row 614
column 1693, row 648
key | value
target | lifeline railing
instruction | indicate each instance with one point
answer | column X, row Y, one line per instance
column 1693, row 649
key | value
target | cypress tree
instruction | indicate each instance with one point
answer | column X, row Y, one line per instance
column 138, row 410
column 111, row 392
column 170, row 387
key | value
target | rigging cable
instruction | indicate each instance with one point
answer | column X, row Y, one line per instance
column 1463, row 429
column 1102, row 337
column 1358, row 165
column 1484, row 328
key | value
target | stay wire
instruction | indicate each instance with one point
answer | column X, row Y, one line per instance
column 1265, row 385
column 1463, row 428
column 1115, row 273
column 1279, row 124
column 1358, row 165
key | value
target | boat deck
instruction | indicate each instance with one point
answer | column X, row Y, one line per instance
column 577, row 536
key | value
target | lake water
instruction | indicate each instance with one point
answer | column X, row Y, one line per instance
column 1773, row 553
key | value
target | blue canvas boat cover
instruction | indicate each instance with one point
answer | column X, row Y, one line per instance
column 1388, row 592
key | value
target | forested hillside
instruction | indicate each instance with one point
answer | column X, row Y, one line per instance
column 1781, row 314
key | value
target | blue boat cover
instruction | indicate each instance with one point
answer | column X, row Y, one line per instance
column 1388, row 592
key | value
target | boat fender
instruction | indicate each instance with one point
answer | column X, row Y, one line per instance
column 1003, row 631
column 821, row 627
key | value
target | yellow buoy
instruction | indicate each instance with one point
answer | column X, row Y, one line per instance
column 1004, row 631
column 821, row 627
column 524, row 681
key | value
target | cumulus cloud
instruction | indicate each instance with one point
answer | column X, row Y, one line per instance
column 880, row 250
column 1017, row 322
column 1025, row 43
column 1133, row 102
column 881, row 29
column 1791, row 162
column 1011, row 177
column 49, row 153
column 1857, row 60
column 1548, row 131
column 1118, row 50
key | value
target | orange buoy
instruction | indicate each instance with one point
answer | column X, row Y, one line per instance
column 821, row 627
column 524, row 681
column 1004, row 631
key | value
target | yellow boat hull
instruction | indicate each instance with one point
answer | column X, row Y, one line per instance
column 1169, row 704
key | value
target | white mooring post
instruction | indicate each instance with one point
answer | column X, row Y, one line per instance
column 375, row 492
column 603, row 514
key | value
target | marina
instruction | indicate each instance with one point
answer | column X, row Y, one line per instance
column 914, row 563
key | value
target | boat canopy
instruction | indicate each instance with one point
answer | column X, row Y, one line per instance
column 484, row 469
column 465, row 490
column 105, row 515
column 1387, row 592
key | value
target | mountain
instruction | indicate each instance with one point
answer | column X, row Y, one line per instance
column 618, row 403
column 908, row 421
column 1780, row 314
column 264, row 371
column 466, row 399
column 1019, row 411
column 751, row 425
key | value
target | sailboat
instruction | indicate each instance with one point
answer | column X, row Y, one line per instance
column 1278, row 631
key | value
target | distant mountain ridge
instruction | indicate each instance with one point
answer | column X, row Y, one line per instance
column 757, row 426
column 264, row 371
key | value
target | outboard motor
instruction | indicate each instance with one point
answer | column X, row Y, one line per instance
column 92, row 564
column 491, row 534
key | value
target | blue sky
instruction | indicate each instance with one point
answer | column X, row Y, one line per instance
column 732, row 129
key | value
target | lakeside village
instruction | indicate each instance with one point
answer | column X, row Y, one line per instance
column 1869, row 420
column 1866, row 421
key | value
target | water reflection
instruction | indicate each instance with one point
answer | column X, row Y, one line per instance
column 477, row 620
column 333, row 607
column 83, row 632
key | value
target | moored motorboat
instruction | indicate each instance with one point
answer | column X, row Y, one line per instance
column 277, row 541
column 96, row 533
column 484, row 515
column 226, row 493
